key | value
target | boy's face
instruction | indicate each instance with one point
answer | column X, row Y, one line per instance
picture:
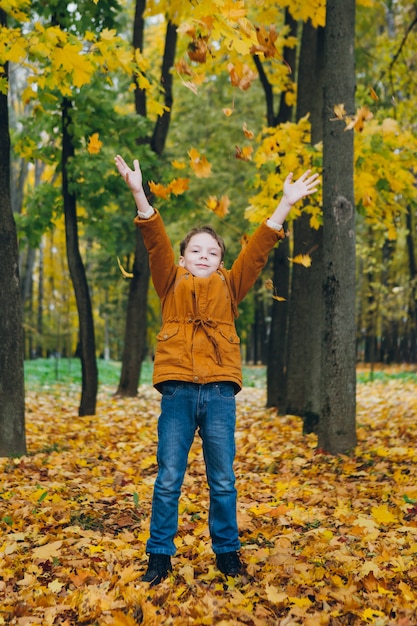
column 202, row 256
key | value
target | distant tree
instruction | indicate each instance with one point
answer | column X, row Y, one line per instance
column 12, row 395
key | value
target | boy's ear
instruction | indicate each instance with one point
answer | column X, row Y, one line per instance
column 221, row 264
column 181, row 261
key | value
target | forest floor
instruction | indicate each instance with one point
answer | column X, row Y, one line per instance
column 326, row 540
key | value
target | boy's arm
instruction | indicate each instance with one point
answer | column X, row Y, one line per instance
column 254, row 255
column 157, row 243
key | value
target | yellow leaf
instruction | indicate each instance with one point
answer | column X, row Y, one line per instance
column 303, row 603
column 275, row 596
column 178, row 186
column 369, row 614
column 179, row 165
column 339, row 111
column 302, row 259
column 118, row 618
column 383, row 515
column 199, row 164
column 159, row 190
column 55, row 586
column 122, row 269
column 48, row 551
column 94, row 144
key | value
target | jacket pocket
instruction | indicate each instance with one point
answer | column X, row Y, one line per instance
column 170, row 343
column 230, row 348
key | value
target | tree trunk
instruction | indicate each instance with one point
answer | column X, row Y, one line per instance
column 135, row 333
column 276, row 388
column 276, row 377
column 12, row 389
column 337, row 431
column 78, row 276
column 136, row 319
column 305, row 307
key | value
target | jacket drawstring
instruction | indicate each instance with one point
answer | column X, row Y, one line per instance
column 206, row 324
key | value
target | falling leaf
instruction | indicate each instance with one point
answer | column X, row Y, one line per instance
column 178, row 186
column 159, row 190
column 249, row 134
column 373, row 94
column 339, row 111
column 125, row 274
column 219, row 206
column 179, row 165
column 199, row 164
column 94, row 144
column 241, row 75
column 363, row 115
column 228, row 112
column 244, row 154
column 301, row 259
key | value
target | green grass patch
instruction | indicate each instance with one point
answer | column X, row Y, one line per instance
column 60, row 372
column 44, row 374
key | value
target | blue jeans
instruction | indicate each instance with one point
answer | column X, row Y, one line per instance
column 186, row 407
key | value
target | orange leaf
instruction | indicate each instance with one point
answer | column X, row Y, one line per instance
column 94, row 144
column 244, row 154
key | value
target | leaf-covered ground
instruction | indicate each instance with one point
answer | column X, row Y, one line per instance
column 326, row 540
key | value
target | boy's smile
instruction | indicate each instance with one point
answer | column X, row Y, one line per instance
column 202, row 256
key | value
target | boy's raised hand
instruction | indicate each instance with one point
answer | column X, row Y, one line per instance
column 133, row 177
column 304, row 186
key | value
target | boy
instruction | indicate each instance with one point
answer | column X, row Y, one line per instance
column 197, row 364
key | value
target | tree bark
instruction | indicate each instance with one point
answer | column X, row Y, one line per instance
column 305, row 306
column 337, row 430
column 78, row 276
column 12, row 389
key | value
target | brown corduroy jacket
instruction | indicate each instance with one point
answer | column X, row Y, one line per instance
column 198, row 342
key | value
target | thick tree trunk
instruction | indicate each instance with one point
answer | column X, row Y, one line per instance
column 337, row 431
column 305, row 307
column 78, row 277
column 12, row 390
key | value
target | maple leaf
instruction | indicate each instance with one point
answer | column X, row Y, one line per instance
column 199, row 164
column 383, row 515
column 159, row 190
column 241, row 75
column 301, row 259
column 219, row 206
column 363, row 115
column 244, row 154
column 94, row 144
column 340, row 111
column 198, row 49
column 266, row 41
column 179, row 186
column 249, row 134
column 179, row 165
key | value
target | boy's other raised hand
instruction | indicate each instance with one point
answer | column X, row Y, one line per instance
column 304, row 186
column 133, row 177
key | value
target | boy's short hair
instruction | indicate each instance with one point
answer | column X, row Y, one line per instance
column 203, row 229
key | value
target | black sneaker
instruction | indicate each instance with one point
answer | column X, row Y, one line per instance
column 158, row 567
column 229, row 563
